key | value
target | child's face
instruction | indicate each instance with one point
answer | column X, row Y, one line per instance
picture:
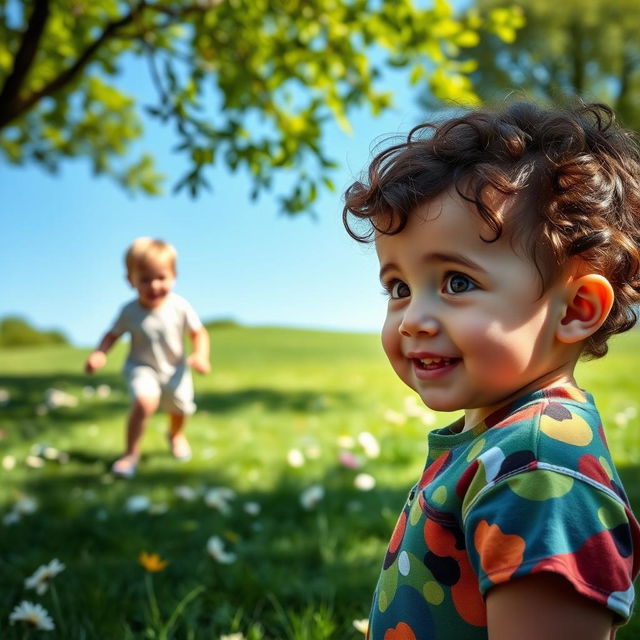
column 153, row 283
column 466, row 325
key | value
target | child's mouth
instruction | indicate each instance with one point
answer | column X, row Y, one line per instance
column 430, row 364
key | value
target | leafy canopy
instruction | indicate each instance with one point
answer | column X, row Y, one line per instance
column 567, row 48
column 250, row 84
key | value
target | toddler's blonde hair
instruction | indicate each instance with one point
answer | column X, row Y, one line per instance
column 145, row 251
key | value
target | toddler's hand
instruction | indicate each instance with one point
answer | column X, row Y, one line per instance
column 95, row 361
column 200, row 364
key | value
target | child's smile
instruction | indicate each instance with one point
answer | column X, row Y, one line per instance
column 429, row 366
column 153, row 283
column 467, row 326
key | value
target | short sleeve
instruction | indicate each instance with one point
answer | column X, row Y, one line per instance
column 192, row 320
column 549, row 520
column 120, row 324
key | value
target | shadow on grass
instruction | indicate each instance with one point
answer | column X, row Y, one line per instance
column 269, row 399
column 29, row 391
column 289, row 560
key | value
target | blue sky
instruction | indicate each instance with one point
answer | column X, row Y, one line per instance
column 63, row 238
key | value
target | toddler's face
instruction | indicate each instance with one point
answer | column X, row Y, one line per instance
column 153, row 283
column 466, row 325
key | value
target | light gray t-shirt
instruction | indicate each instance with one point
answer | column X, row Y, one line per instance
column 157, row 335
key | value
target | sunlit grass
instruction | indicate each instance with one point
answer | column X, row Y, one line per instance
column 297, row 573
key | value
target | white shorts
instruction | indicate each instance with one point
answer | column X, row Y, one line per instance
column 175, row 394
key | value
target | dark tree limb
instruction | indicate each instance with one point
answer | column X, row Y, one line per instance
column 12, row 105
column 23, row 61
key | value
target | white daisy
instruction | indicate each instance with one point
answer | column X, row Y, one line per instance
column 393, row 417
column 10, row 518
column 215, row 548
column 43, row 575
column 310, row 497
column 361, row 625
column 34, row 615
column 8, row 463
column 364, row 482
column 251, row 508
column 185, row 492
column 103, row 391
column 369, row 443
column 137, row 504
column 233, row 636
column 35, row 462
column 219, row 498
column 54, row 398
column 295, row 458
column 25, row 505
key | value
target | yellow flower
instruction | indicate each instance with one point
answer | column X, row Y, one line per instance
column 152, row 562
column 231, row 536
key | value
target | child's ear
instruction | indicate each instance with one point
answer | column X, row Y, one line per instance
column 590, row 298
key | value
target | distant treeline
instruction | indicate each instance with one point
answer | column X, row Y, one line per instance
column 17, row 332
column 221, row 323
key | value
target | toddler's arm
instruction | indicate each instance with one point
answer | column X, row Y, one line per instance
column 199, row 359
column 544, row 606
column 98, row 358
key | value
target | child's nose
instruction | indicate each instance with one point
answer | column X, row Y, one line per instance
column 418, row 321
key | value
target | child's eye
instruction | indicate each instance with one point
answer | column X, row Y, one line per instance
column 398, row 289
column 458, row 283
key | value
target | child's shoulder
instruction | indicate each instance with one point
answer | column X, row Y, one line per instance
column 557, row 429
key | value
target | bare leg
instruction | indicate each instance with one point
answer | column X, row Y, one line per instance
column 141, row 410
column 178, row 443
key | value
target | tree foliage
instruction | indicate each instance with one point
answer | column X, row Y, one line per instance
column 17, row 332
column 250, row 84
column 586, row 48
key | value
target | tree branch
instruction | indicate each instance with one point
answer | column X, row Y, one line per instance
column 17, row 107
column 23, row 61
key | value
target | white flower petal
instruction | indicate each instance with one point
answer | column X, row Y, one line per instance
column 310, row 497
column 137, row 504
column 215, row 548
column 252, row 508
column 35, row 462
column 295, row 458
column 34, row 615
column 25, row 505
column 185, row 492
column 361, row 625
column 369, row 443
column 393, row 417
column 364, row 482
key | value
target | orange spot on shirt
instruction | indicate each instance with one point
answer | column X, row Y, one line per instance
column 401, row 632
column 500, row 553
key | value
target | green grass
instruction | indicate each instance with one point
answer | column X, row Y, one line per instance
column 299, row 575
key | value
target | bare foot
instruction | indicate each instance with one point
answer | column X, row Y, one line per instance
column 125, row 467
column 179, row 446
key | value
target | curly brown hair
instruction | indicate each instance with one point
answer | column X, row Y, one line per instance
column 573, row 176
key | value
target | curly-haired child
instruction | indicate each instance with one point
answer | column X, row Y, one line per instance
column 509, row 246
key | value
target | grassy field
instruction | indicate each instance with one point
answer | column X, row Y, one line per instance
column 275, row 419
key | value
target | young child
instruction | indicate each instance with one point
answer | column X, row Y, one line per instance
column 156, row 369
column 509, row 246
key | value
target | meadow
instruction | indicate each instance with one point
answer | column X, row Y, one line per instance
column 304, row 444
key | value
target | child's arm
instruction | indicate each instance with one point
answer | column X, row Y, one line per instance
column 199, row 358
column 98, row 358
column 544, row 606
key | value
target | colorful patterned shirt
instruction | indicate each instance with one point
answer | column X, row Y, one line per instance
column 532, row 488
